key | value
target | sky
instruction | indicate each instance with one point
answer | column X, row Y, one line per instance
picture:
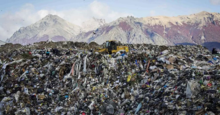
column 15, row 14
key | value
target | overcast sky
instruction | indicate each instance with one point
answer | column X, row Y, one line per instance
column 20, row 13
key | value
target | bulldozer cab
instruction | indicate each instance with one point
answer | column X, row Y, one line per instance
column 113, row 46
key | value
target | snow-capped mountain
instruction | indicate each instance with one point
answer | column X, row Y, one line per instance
column 202, row 28
column 51, row 27
column 195, row 28
column 125, row 30
column 92, row 24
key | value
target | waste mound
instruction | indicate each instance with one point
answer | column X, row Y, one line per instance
column 149, row 79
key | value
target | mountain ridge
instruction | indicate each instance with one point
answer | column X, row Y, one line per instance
column 196, row 28
column 51, row 27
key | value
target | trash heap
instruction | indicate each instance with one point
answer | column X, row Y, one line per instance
column 149, row 79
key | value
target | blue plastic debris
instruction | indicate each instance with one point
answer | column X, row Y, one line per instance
column 138, row 108
column 66, row 96
column 123, row 54
column 210, row 62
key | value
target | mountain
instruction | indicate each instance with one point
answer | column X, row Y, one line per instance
column 201, row 28
column 2, row 43
column 51, row 27
column 196, row 28
column 126, row 30
column 92, row 24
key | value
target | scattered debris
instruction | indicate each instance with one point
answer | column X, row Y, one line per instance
column 149, row 79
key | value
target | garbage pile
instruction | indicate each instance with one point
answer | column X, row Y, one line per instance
column 148, row 79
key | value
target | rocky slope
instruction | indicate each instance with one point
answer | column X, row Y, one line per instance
column 202, row 28
column 126, row 30
column 51, row 28
column 196, row 28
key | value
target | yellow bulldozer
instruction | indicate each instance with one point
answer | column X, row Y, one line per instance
column 113, row 46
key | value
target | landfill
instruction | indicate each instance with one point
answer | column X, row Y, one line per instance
column 149, row 79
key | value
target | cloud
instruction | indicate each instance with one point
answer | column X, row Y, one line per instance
column 215, row 2
column 95, row 9
column 27, row 15
column 10, row 22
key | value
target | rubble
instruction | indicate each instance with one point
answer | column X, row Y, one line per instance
column 149, row 79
